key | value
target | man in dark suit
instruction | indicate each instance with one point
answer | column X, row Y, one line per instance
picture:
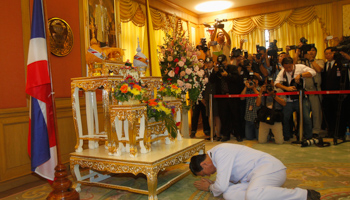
column 227, row 81
column 331, row 80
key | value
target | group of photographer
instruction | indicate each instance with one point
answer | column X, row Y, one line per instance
column 271, row 71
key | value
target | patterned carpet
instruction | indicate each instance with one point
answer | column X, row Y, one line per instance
column 326, row 170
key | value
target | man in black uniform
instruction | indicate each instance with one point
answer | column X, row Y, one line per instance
column 227, row 81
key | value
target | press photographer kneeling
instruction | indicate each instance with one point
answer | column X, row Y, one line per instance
column 270, row 114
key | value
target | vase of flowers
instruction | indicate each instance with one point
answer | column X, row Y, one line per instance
column 170, row 92
column 159, row 110
column 129, row 91
column 179, row 65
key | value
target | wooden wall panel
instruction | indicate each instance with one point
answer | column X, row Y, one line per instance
column 14, row 159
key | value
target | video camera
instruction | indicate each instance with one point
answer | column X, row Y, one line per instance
column 218, row 23
column 273, row 49
column 343, row 46
column 258, row 49
column 204, row 45
column 236, row 52
column 304, row 48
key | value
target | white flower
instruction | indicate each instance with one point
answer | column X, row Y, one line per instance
column 180, row 83
column 188, row 71
column 188, row 85
column 171, row 73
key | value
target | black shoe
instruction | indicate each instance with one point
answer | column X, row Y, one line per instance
column 218, row 138
column 214, row 138
column 224, row 139
column 313, row 195
column 239, row 138
column 193, row 135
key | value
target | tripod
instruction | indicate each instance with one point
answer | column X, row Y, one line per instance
column 341, row 97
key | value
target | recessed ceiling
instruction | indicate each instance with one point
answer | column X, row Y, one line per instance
column 191, row 4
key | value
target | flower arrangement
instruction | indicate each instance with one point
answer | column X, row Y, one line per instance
column 179, row 64
column 161, row 112
column 129, row 89
column 171, row 90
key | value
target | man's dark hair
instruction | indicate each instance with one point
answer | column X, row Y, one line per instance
column 195, row 164
column 282, row 53
column 287, row 60
column 328, row 48
column 223, row 58
column 262, row 48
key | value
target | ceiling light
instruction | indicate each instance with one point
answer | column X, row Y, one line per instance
column 212, row 6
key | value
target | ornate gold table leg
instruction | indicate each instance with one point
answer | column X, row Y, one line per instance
column 132, row 136
column 152, row 183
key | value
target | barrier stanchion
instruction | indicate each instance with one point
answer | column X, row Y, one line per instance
column 301, row 121
column 211, row 117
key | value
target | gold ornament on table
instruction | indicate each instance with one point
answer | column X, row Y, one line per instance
column 61, row 37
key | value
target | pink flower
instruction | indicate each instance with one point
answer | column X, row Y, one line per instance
column 182, row 73
column 171, row 73
column 181, row 63
column 196, row 68
column 205, row 81
column 183, row 59
column 170, row 58
column 200, row 73
column 188, row 71
column 180, row 83
column 188, row 85
column 189, row 54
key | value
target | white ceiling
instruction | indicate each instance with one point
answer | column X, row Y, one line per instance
column 191, row 4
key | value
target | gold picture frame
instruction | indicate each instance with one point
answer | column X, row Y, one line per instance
column 61, row 37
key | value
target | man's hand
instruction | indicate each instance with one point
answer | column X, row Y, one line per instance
column 203, row 184
column 291, row 88
column 297, row 78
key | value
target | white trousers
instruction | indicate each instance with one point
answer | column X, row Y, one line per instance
column 265, row 187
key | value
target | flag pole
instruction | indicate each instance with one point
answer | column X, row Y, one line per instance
column 61, row 185
column 149, row 39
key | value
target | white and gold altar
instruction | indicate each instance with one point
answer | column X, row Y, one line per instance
column 130, row 142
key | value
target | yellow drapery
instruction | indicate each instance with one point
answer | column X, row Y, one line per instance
column 287, row 27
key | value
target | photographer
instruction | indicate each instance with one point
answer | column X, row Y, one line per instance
column 291, row 79
column 251, row 87
column 203, row 49
column 335, row 76
column 313, row 84
column 226, row 79
column 263, row 61
column 221, row 46
column 210, row 89
column 270, row 114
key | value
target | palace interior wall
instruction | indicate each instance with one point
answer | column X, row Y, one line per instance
column 15, row 36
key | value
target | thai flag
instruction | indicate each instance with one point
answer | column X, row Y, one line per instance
column 41, row 137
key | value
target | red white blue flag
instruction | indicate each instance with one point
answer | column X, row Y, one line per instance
column 41, row 138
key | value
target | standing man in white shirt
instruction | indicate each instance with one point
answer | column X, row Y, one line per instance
column 245, row 173
column 294, row 72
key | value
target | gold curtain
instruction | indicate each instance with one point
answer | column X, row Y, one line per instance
column 287, row 27
column 289, row 34
column 131, row 11
column 130, row 33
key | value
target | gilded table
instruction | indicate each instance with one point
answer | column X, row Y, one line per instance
column 150, row 164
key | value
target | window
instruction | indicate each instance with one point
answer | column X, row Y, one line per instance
column 267, row 39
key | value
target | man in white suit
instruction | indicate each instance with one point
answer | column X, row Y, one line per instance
column 245, row 173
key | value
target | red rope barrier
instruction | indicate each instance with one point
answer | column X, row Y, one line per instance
column 283, row 93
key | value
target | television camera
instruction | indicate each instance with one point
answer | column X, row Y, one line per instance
column 304, row 48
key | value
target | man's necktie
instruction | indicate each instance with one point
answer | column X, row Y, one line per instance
column 329, row 66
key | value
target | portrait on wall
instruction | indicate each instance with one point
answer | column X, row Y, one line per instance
column 102, row 23
column 61, row 36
